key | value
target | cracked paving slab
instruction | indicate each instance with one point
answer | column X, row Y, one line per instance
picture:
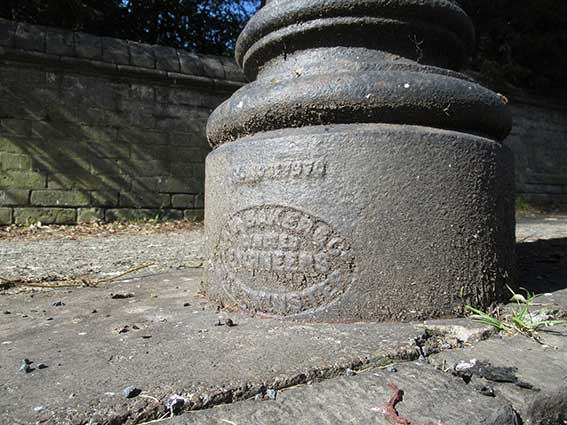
column 164, row 340
column 430, row 398
column 433, row 393
column 162, row 337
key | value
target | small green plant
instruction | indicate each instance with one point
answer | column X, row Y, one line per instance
column 520, row 320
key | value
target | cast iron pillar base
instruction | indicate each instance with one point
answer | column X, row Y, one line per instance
column 357, row 178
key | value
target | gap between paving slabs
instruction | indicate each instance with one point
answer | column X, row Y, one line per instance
column 186, row 353
column 503, row 380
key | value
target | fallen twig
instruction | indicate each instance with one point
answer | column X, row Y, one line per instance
column 67, row 283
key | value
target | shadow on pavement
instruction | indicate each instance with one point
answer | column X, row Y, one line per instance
column 542, row 265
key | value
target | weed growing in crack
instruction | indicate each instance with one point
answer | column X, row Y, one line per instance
column 520, row 320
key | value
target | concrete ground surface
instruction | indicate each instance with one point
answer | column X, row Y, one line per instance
column 155, row 332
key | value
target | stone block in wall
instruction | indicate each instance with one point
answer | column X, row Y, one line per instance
column 45, row 215
column 59, row 198
column 30, row 37
column 143, row 168
column 5, row 216
column 60, row 42
column 104, row 198
column 141, row 55
column 183, row 201
column 15, row 161
column 185, row 96
column 191, row 154
column 139, row 119
column 104, row 166
column 231, row 70
column 145, row 200
column 110, row 149
column 190, row 63
column 210, row 101
column 100, row 135
column 151, row 153
column 7, row 32
column 88, row 46
column 213, row 67
column 195, row 140
column 194, row 215
column 163, row 94
column 15, row 127
column 14, row 197
column 15, row 144
column 30, row 105
column 143, row 92
column 15, row 179
column 179, row 184
column 144, row 184
column 87, row 182
column 181, row 169
column 89, row 215
column 166, row 58
column 63, row 161
column 115, row 51
column 199, row 170
column 200, row 200
column 57, row 131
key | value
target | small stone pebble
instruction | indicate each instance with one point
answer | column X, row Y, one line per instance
column 175, row 403
column 121, row 295
column 391, row 369
column 131, row 391
column 350, row 372
column 487, row 390
column 25, row 366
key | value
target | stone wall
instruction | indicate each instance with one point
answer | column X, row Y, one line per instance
column 100, row 128
column 539, row 142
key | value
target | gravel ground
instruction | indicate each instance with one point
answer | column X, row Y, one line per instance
column 95, row 256
column 69, row 253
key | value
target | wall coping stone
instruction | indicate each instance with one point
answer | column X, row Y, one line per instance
column 88, row 53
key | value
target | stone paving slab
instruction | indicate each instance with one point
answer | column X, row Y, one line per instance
column 434, row 395
column 99, row 256
column 95, row 346
column 538, row 228
column 430, row 398
column 156, row 342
